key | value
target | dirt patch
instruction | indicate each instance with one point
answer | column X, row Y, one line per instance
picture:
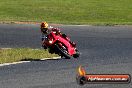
column 24, row 22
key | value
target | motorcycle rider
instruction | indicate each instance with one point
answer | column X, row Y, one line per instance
column 45, row 30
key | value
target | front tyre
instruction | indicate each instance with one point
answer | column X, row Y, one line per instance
column 63, row 51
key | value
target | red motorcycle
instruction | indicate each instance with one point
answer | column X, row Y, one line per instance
column 59, row 44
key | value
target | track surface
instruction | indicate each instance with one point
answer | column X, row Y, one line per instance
column 104, row 50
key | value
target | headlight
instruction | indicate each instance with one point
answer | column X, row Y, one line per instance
column 50, row 42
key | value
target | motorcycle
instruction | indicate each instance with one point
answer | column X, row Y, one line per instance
column 59, row 44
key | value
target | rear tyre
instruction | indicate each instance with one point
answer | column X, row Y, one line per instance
column 51, row 51
column 77, row 54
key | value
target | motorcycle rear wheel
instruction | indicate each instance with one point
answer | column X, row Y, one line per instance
column 77, row 54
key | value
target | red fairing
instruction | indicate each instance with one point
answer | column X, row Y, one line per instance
column 70, row 48
column 60, row 44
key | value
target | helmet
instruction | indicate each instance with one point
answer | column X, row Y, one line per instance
column 44, row 25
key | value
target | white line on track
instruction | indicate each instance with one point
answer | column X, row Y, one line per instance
column 5, row 64
column 20, row 62
column 53, row 58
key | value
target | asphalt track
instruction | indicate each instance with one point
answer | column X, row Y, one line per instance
column 103, row 50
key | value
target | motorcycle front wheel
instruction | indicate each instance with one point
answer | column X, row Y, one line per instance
column 63, row 51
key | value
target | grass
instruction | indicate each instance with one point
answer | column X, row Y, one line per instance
column 19, row 54
column 68, row 11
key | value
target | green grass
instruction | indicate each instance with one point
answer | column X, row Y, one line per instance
column 68, row 11
column 18, row 54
